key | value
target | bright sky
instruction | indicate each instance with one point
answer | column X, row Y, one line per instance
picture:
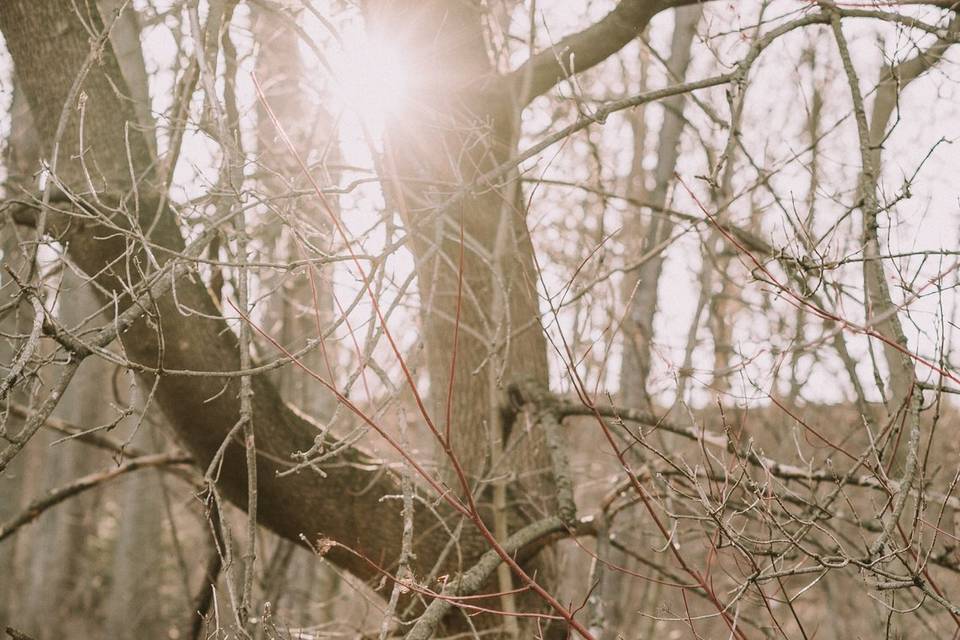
column 370, row 79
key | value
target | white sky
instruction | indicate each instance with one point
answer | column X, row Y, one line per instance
column 774, row 125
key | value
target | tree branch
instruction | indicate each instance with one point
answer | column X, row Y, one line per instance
column 580, row 51
column 56, row 496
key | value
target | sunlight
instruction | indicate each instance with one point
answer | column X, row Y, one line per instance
column 372, row 79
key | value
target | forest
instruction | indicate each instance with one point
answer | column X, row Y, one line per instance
column 597, row 319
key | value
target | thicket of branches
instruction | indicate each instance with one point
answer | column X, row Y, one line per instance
column 505, row 319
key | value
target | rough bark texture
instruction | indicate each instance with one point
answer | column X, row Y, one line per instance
column 455, row 132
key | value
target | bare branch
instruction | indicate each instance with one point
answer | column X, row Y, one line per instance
column 580, row 51
column 55, row 497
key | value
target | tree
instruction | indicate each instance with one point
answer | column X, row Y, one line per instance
column 181, row 283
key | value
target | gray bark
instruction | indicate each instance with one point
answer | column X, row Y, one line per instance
column 133, row 607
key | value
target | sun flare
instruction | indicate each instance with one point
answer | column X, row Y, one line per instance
column 372, row 80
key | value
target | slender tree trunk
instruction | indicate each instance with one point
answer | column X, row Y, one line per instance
column 12, row 485
column 125, row 38
column 133, row 608
column 641, row 288
column 301, row 309
column 60, row 541
column 305, row 309
column 644, row 286
column 20, row 156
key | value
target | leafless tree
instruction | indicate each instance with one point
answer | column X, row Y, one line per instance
column 599, row 327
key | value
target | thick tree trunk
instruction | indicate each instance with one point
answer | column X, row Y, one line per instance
column 481, row 332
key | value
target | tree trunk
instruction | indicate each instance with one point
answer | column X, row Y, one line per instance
column 60, row 541
column 644, row 287
column 305, row 307
column 133, row 607
column 19, row 159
